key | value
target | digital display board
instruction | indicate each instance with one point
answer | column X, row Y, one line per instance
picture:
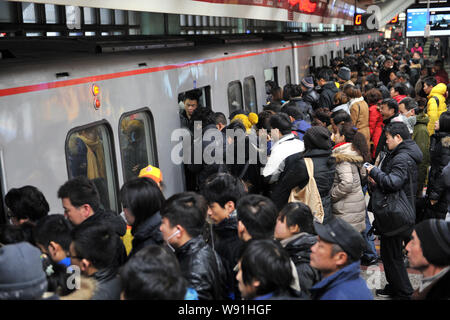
column 417, row 20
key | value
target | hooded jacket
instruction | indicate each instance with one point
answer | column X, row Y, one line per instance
column 434, row 110
column 202, row 268
column 299, row 128
column 326, row 99
column 147, row 233
column 345, row 284
column 375, row 126
column 346, row 194
column 359, row 112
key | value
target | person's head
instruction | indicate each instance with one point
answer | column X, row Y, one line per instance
column 324, row 76
column 339, row 118
column 93, row 247
column 191, row 102
column 348, row 133
column 408, row 107
column 438, row 65
column 317, row 138
column 373, row 96
column 153, row 173
column 416, row 57
column 52, row 236
column 344, row 75
column 396, row 133
column 307, row 83
column 388, row 63
column 321, row 117
column 80, row 199
column 264, row 119
column 393, row 76
column 10, row 233
column 340, row 98
column 417, row 44
column 152, row 274
column 437, row 40
column 293, row 111
column 338, row 245
column 203, row 115
column 428, row 84
column 222, row 191
column 444, row 122
column 257, row 216
column 352, row 92
column 429, row 245
column 294, row 218
column 220, row 120
column 388, row 108
column 26, row 204
column 21, row 274
column 280, row 123
column 399, row 89
column 141, row 198
column 183, row 218
column 264, row 267
column 277, row 94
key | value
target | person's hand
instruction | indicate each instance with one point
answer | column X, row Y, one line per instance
column 371, row 181
column 433, row 202
column 369, row 168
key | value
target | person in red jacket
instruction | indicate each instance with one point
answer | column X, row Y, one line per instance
column 373, row 96
column 439, row 72
column 399, row 92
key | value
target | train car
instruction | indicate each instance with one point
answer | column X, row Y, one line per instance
column 57, row 99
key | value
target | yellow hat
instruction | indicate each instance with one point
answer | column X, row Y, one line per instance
column 247, row 121
column 152, row 173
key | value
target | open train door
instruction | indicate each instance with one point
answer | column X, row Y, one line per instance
column 3, row 218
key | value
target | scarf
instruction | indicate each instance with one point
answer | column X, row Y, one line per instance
column 95, row 157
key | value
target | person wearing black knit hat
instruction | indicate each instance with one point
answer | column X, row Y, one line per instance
column 429, row 252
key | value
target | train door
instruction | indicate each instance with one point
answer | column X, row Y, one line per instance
column 251, row 104
column 3, row 217
column 270, row 80
column 235, row 96
column 288, row 75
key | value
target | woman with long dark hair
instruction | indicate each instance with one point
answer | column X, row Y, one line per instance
column 142, row 200
column 351, row 152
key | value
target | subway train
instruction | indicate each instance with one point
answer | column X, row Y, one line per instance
column 121, row 99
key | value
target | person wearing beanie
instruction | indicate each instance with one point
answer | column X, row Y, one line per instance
column 429, row 252
column 309, row 94
column 318, row 145
column 22, row 276
column 344, row 76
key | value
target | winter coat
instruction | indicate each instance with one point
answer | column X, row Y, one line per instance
column 299, row 249
column 441, row 76
column 446, row 179
column 382, row 141
column 147, row 233
column 359, row 112
column 312, row 97
column 375, row 126
column 399, row 97
column 283, row 148
column 305, row 108
column 109, row 286
column 345, row 284
column 398, row 168
column 299, row 128
column 184, row 120
column 326, row 99
column 433, row 110
column 438, row 289
column 202, row 268
column 440, row 157
column 296, row 175
column 346, row 194
column 422, row 139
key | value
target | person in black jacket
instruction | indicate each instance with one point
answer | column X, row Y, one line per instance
column 183, row 219
column 309, row 94
column 222, row 191
column 329, row 89
column 318, row 148
column 436, row 203
column 295, row 231
column 397, row 170
column 389, row 111
column 142, row 200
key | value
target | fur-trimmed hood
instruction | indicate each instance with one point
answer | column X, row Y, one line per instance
column 86, row 291
column 345, row 153
column 446, row 142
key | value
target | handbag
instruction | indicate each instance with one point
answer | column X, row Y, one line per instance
column 393, row 212
column 309, row 195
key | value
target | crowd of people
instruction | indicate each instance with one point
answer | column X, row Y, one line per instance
column 292, row 223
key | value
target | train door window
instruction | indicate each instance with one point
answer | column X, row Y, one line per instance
column 203, row 94
column 288, row 75
column 137, row 143
column 250, row 94
column 89, row 153
column 332, row 55
column 271, row 75
column 234, row 96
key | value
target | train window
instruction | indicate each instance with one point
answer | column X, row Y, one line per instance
column 234, row 96
column 271, row 75
column 204, row 95
column 288, row 75
column 137, row 143
column 89, row 153
column 250, row 94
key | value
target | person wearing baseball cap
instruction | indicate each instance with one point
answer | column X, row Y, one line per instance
column 336, row 255
column 429, row 252
column 153, row 173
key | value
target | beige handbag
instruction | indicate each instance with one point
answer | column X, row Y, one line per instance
column 309, row 195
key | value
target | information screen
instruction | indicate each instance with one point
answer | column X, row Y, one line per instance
column 417, row 20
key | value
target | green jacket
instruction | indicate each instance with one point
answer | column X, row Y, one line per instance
column 422, row 138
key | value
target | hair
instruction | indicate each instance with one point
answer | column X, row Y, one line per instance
column 187, row 209
column 258, row 214
column 403, row 75
column 205, row 115
column 281, row 122
column 80, row 191
column 27, row 202
column 220, row 118
column 410, row 104
column 297, row 213
column 352, row 92
column 95, row 243
column 325, row 74
column 357, row 140
column 143, row 198
column 54, row 228
column 391, row 103
column 264, row 119
column 398, row 128
column 335, row 248
column 295, row 90
column 10, row 234
column 221, row 188
column 193, row 95
column 292, row 110
column 287, row 92
column 340, row 98
column 400, row 88
column 267, row 262
column 430, row 81
column 444, row 122
column 153, row 274
column 323, row 115
column 372, row 96
column 341, row 116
